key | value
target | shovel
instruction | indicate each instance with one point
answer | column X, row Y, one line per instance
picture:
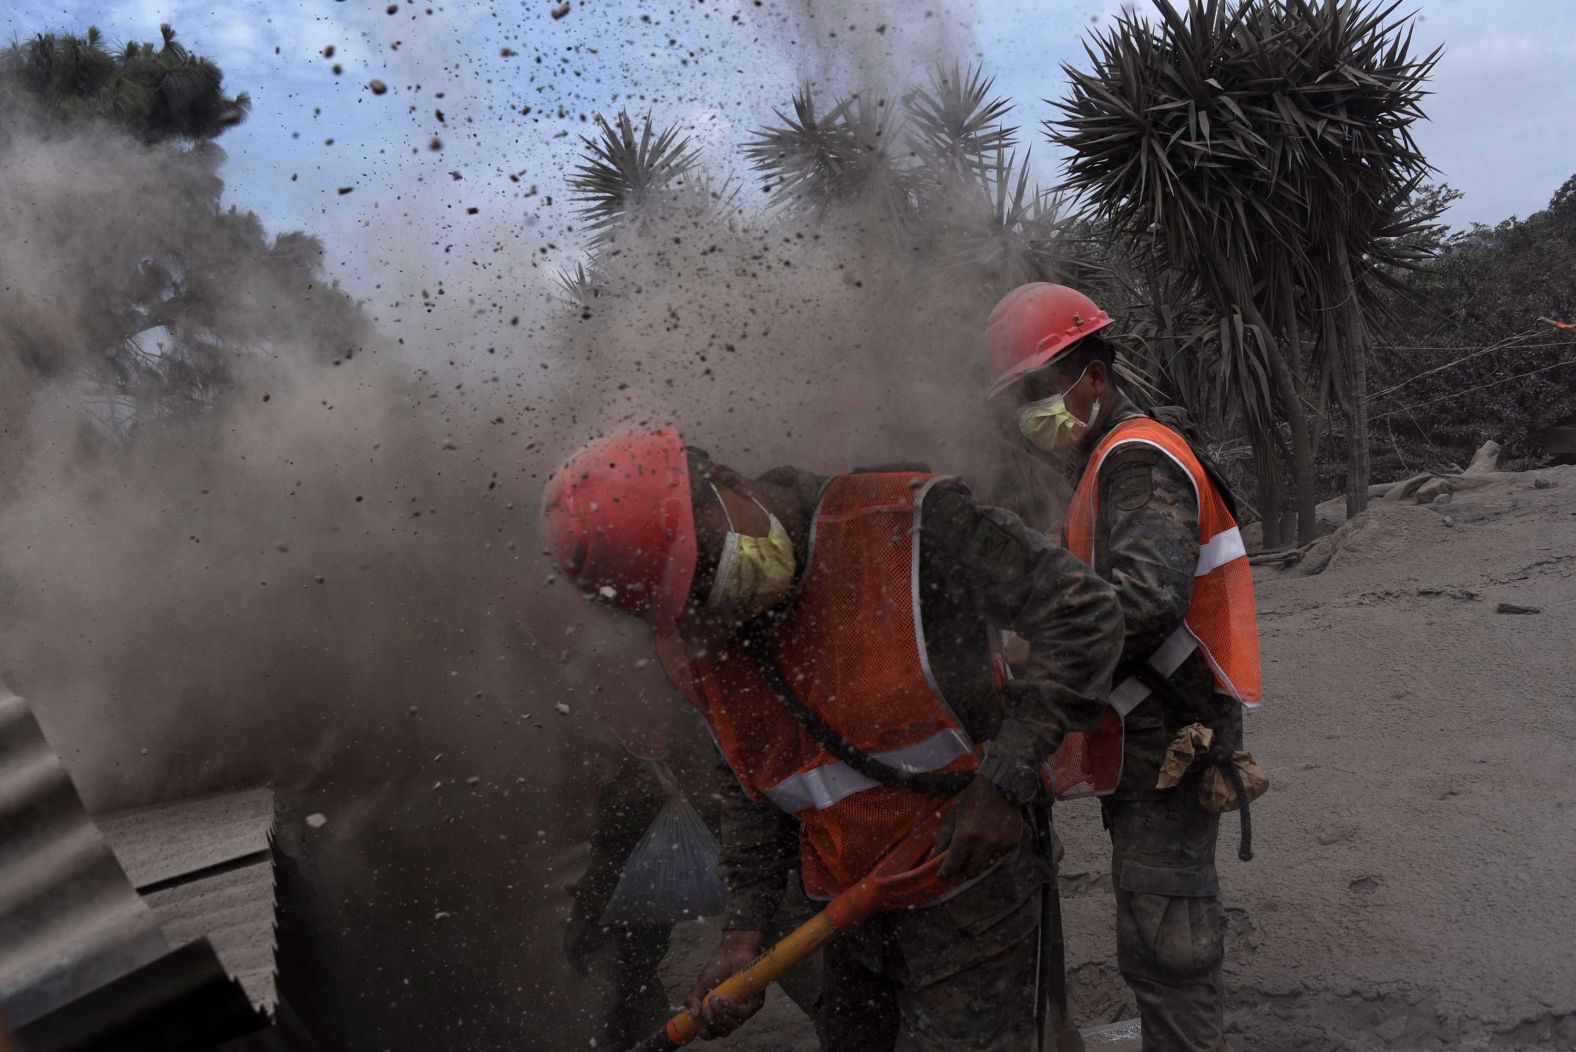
column 884, row 887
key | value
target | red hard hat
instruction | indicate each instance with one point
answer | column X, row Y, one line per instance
column 618, row 520
column 1032, row 325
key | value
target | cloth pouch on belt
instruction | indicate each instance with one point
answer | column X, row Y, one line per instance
column 1215, row 790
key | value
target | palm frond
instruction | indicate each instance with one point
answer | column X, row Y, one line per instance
column 622, row 172
column 959, row 129
column 579, row 287
column 812, row 161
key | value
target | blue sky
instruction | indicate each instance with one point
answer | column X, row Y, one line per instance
column 1503, row 117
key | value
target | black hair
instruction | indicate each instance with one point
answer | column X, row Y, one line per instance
column 1092, row 348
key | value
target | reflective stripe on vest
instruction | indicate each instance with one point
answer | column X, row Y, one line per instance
column 823, row 786
column 1220, row 550
column 1168, row 657
column 1221, row 621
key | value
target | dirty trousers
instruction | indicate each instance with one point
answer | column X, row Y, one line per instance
column 954, row 976
column 1170, row 934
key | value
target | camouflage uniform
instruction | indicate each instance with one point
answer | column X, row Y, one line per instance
column 960, row 974
column 1170, row 930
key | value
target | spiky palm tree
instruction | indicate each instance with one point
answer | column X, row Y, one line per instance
column 994, row 224
column 580, row 287
column 811, row 161
column 622, row 177
column 958, row 128
column 1261, row 147
column 1352, row 168
column 1163, row 152
column 976, row 210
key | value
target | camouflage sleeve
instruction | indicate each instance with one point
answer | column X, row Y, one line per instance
column 1016, row 579
column 760, row 845
column 1148, row 543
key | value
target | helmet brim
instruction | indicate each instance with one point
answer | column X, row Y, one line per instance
column 635, row 534
column 1041, row 359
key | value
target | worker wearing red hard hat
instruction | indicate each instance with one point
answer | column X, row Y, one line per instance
column 838, row 634
column 1155, row 520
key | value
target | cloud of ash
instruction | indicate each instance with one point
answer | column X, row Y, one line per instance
column 772, row 338
column 853, row 44
column 772, row 344
column 310, row 583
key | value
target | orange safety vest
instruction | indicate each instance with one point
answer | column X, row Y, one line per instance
column 1221, row 622
column 852, row 646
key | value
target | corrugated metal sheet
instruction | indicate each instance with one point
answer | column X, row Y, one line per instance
column 206, row 868
column 69, row 919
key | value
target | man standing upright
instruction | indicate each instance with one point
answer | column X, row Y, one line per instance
column 1154, row 520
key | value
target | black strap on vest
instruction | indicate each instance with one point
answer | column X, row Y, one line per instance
column 1223, row 489
column 840, row 747
column 1217, row 755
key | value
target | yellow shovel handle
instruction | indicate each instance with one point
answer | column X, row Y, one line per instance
column 743, row 985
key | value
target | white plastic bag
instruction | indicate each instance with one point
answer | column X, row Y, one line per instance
column 671, row 875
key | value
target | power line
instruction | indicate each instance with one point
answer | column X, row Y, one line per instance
column 1479, row 387
column 1451, row 347
column 1505, row 344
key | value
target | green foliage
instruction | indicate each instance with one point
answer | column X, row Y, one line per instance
column 158, row 92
